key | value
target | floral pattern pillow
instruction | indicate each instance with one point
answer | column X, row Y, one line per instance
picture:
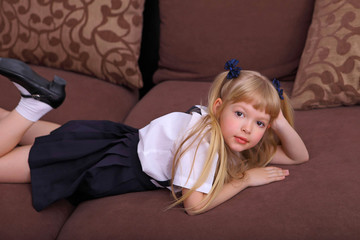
column 100, row 38
column 329, row 70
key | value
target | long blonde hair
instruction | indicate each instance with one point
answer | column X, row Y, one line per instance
column 250, row 87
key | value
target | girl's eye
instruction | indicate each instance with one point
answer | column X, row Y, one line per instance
column 260, row 124
column 239, row 114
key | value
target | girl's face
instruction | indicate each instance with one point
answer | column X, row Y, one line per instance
column 242, row 125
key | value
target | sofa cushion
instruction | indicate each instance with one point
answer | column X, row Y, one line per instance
column 328, row 74
column 98, row 38
column 318, row 200
column 198, row 37
column 86, row 97
column 19, row 220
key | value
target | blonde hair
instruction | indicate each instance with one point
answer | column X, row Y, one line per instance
column 250, row 87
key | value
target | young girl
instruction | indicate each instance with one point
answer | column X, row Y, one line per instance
column 208, row 155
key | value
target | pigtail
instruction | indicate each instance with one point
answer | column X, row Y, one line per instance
column 216, row 90
column 285, row 105
column 287, row 109
column 266, row 149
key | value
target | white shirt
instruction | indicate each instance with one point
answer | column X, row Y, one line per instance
column 158, row 144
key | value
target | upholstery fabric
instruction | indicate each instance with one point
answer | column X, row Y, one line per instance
column 179, row 96
column 328, row 74
column 318, row 200
column 61, row 34
column 196, row 46
column 20, row 221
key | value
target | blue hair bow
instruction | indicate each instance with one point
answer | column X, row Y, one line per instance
column 233, row 70
column 280, row 91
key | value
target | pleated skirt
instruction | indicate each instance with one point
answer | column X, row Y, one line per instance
column 84, row 160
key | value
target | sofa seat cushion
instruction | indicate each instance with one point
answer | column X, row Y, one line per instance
column 318, row 200
column 19, row 220
column 87, row 97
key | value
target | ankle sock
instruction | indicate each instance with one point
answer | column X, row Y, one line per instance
column 30, row 108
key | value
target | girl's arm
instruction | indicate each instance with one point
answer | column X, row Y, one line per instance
column 253, row 177
column 292, row 149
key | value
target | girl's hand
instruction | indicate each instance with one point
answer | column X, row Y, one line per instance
column 261, row 176
column 292, row 149
column 253, row 177
column 279, row 121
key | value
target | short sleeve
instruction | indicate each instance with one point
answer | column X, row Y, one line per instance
column 191, row 166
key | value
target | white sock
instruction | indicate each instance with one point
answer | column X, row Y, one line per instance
column 30, row 108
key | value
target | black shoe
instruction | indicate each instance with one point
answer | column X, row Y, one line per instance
column 52, row 93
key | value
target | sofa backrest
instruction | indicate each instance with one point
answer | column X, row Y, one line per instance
column 197, row 37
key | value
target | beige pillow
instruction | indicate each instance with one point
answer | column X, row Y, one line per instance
column 100, row 38
column 329, row 70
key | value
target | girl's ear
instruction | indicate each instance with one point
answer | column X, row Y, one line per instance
column 217, row 104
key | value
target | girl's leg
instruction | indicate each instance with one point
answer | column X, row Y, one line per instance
column 39, row 128
column 14, row 166
column 3, row 113
column 12, row 129
column 38, row 97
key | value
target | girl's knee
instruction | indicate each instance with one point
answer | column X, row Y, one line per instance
column 3, row 113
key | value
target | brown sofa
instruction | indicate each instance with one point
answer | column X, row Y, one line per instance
column 184, row 45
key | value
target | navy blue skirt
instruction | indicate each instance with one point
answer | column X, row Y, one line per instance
column 84, row 160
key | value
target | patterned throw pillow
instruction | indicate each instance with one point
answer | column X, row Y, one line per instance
column 100, row 38
column 329, row 71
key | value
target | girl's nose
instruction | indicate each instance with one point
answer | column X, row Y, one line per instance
column 246, row 128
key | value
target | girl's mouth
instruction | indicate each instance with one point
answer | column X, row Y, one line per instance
column 241, row 140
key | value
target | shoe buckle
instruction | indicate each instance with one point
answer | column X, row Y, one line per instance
column 36, row 96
